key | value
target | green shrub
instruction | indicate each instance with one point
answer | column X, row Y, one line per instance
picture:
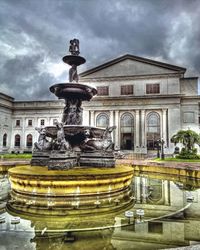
column 188, row 154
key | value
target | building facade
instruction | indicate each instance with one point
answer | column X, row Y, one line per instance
column 146, row 100
column 19, row 119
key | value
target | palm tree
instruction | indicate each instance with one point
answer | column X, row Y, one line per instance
column 187, row 137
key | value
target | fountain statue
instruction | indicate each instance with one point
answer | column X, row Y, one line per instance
column 75, row 162
column 80, row 145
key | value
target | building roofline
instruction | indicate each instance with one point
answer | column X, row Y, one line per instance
column 40, row 101
column 4, row 96
column 190, row 77
column 132, row 57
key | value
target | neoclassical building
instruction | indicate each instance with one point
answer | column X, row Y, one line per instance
column 147, row 100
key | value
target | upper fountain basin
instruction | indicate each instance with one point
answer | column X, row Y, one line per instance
column 73, row 90
column 74, row 60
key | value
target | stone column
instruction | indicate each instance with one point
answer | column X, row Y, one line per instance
column 23, row 135
column 117, row 144
column 111, row 117
column 12, row 135
column 164, row 126
column 48, row 121
column 86, row 120
column 137, row 129
column 112, row 124
column 92, row 122
column 143, row 132
column 35, row 133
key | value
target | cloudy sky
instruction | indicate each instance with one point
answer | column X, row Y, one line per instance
column 35, row 35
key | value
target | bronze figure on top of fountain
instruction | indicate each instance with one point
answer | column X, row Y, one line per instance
column 74, row 47
column 74, row 50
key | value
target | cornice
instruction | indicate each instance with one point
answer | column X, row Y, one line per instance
column 191, row 97
column 132, row 97
column 133, row 77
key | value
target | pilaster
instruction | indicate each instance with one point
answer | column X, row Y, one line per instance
column 116, row 139
column 137, row 129
column 92, row 122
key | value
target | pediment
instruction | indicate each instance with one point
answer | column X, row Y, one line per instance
column 129, row 65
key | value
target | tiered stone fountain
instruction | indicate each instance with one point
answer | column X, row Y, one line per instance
column 73, row 167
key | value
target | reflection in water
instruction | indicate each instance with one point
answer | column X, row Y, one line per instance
column 171, row 218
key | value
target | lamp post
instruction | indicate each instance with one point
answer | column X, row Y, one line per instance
column 162, row 149
column 158, row 148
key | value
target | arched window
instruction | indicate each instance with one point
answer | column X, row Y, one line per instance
column 102, row 120
column 127, row 131
column 29, row 140
column 5, row 140
column 17, row 140
column 153, row 130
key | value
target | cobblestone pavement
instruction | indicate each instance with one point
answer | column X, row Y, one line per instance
column 150, row 162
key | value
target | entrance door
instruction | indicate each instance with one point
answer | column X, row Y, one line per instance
column 153, row 130
column 127, row 131
column 152, row 140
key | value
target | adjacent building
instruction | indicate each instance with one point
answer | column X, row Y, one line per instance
column 146, row 100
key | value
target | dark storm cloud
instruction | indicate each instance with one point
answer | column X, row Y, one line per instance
column 22, row 77
column 35, row 35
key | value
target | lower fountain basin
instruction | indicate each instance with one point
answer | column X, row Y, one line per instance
column 75, row 191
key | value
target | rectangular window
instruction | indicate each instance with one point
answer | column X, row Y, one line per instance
column 153, row 88
column 17, row 123
column 30, row 122
column 155, row 227
column 42, row 122
column 127, row 90
column 102, row 90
